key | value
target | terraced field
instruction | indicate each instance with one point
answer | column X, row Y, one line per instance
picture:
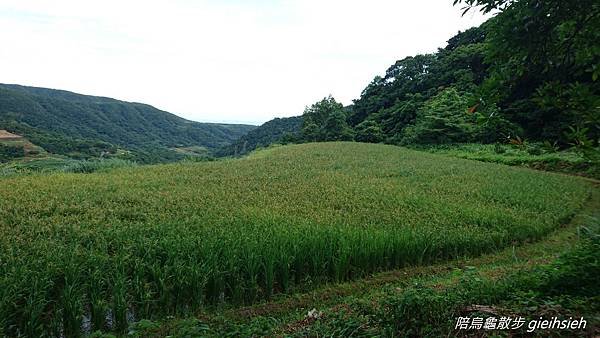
column 102, row 250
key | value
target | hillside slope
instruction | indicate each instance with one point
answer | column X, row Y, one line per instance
column 270, row 132
column 85, row 126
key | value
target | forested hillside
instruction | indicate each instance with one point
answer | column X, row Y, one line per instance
column 84, row 126
column 529, row 72
column 283, row 130
column 527, row 75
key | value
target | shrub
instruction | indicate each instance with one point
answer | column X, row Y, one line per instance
column 86, row 167
column 492, row 127
column 9, row 152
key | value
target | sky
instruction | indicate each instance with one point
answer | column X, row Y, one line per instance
column 230, row 61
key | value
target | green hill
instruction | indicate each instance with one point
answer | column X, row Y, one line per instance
column 85, row 126
column 277, row 130
column 170, row 240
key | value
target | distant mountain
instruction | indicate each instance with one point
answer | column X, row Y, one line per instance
column 277, row 130
column 84, row 126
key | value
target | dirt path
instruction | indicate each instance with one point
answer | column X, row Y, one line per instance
column 7, row 136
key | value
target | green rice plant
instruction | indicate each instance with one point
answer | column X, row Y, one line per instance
column 72, row 298
column 119, row 300
column 97, row 299
column 154, row 241
column 35, row 308
column 283, row 264
column 268, row 267
column 542, row 156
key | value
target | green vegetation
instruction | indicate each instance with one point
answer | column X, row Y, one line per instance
column 553, row 277
column 99, row 244
column 536, row 156
column 557, row 277
column 528, row 74
column 46, row 165
column 10, row 151
column 84, row 127
column 35, row 165
column 279, row 130
column 530, row 71
column 326, row 121
column 87, row 167
column 195, row 152
column 144, row 243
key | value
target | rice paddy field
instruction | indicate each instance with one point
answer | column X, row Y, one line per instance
column 100, row 251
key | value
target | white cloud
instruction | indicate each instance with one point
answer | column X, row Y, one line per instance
column 218, row 60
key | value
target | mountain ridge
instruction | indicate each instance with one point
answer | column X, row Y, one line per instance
column 78, row 125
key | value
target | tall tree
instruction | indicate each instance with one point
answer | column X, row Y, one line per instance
column 545, row 62
column 325, row 121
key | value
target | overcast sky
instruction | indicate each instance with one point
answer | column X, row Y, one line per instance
column 218, row 60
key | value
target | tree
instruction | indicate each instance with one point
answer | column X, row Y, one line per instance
column 403, row 113
column 325, row 121
column 486, row 5
column 544, row 57
column 319, row 112
column 408, row 76
column 310, row 130
column 368, row 131
column 336, row 128
column 443, row 119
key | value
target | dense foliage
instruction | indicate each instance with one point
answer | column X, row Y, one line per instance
column 326, row 121
column 83, row 126
column 529, row 73
column 10, row 151
column 163, row 240
column 544, row 58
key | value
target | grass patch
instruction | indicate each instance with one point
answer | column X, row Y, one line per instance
column 535, row 156
column 149, row 242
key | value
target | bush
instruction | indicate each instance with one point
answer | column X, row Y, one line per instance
column 9, row 152
column 427, row 311
column 86, row 167
column 492, row 127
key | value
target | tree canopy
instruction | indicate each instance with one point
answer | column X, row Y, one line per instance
column 326, row 120
column 530, row 72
